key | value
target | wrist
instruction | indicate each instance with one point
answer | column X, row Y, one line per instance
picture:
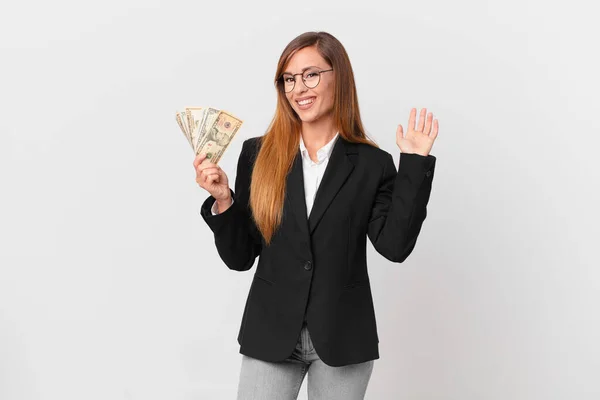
column 224, row 204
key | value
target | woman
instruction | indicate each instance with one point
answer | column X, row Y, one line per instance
column 307, row 195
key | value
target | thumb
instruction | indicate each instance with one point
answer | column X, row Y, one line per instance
column 399, row 133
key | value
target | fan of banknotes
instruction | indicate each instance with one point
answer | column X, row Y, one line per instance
column 208, row 130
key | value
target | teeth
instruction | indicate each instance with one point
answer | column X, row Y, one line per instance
column 305, row 102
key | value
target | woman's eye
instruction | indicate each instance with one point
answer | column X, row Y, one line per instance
column 288, row 80
column 311, row 75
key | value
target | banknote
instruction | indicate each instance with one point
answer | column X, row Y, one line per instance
column 208, row 130
column 194, row 117
column 184, row 128
column 216, row 137
column 208, row 119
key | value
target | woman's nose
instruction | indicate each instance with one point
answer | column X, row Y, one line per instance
column 299, row 86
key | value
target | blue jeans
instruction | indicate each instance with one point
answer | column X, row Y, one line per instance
column 262, row 380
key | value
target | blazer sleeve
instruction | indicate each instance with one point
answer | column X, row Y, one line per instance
column 400, row 206
column 237, row 238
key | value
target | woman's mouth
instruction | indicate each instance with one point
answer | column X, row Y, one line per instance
column 305, row 103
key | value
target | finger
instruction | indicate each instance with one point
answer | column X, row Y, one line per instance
column 205, row 165
column 411, row 119
column 436, row 127
column 422, row 120
column 198, row 159
column 206, row 180
column 212, row 178
column 399, row 133
column 209, row 171
column 427, row 128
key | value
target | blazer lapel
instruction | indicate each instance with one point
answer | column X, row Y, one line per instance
column 338, row 169
column 296, row 196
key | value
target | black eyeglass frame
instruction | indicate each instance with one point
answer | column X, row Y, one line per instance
column 282, row 82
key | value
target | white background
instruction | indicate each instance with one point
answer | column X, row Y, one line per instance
column 110, row 283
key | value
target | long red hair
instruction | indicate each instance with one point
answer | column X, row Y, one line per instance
column 279, row 145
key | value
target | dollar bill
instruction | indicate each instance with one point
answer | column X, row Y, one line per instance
column 215, row 140
column 183, row 126
column 194, row 117
column 208, row 119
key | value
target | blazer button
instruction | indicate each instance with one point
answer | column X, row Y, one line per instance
column 307, row 265
column 428, row 173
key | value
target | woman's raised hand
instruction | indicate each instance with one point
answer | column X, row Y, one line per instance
column 212, row 178
column 418, row 139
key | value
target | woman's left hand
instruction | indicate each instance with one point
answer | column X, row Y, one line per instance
column 418, row 140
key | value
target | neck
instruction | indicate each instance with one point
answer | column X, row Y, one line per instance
column 318, row 133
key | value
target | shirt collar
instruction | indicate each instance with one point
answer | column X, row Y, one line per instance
column 323, row 153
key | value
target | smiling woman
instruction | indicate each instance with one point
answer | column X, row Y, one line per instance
column 315, row 110
column 307, row 195
column 311, row 77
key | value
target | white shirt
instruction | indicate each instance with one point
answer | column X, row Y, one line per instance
column 312, row 172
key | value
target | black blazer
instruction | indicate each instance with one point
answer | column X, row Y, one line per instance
column 315, row 268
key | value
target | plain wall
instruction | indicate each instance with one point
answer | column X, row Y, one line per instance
column 110, row 283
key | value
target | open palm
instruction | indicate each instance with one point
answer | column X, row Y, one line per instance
column 418, row 139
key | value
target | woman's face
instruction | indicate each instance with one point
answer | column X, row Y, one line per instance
column 310, row 104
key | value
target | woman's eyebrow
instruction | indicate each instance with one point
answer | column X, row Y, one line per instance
column 303, row 69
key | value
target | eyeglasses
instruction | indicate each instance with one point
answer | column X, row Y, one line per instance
column 311, row 78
